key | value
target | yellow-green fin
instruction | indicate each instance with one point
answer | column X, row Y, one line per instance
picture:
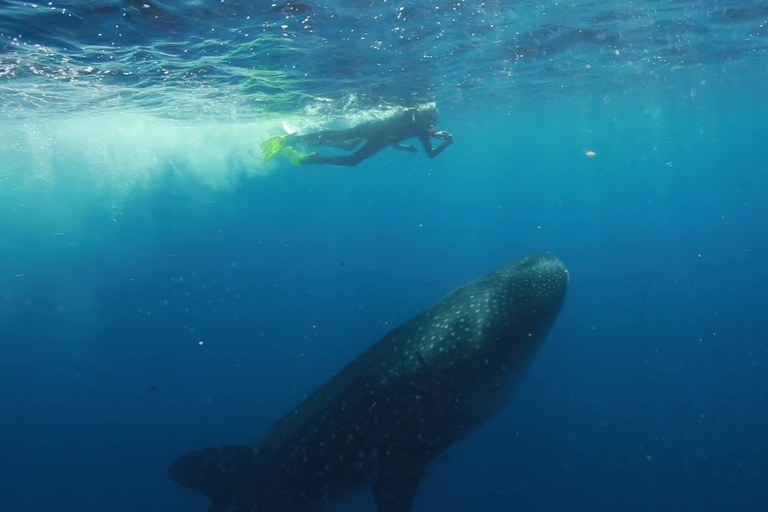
column 272, row 146
column 292, row 155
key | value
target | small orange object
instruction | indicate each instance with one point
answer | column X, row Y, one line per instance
column 590, row 153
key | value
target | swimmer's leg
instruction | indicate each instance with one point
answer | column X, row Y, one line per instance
column 347, row 145
column 370, row 148
column 347, row 139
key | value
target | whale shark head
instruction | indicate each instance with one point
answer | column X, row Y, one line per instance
column 495, row 324
column 515, row 306
column 522, row 300
column 533, row 287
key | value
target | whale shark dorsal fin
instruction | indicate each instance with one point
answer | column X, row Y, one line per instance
column 396, row 491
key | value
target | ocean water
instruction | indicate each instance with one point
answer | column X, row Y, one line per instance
column 163, row 289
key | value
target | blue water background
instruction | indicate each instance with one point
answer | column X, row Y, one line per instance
column 236, row 293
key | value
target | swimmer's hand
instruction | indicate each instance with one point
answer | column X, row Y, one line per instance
column 447, row 137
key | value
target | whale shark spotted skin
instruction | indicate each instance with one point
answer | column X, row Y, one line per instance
column 382, row 419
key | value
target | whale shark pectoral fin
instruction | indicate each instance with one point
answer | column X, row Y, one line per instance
column 395, row 492
column 228, row 475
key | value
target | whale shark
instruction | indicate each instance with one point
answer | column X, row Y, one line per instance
column 398, row 406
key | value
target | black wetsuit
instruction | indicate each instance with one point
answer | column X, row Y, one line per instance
column 377, row 135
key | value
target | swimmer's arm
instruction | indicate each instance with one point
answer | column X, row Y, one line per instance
column 442, row 135
column 427, row 143
column 405, row 147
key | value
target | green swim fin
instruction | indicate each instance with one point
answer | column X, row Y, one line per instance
column 272, row 146
column 293, row 156
column 276, row 145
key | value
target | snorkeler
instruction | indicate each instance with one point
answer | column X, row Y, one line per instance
column 374, row 135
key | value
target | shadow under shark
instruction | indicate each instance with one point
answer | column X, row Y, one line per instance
column 382, row 419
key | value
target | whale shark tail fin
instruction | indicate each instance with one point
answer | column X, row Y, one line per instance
column 226, row 474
